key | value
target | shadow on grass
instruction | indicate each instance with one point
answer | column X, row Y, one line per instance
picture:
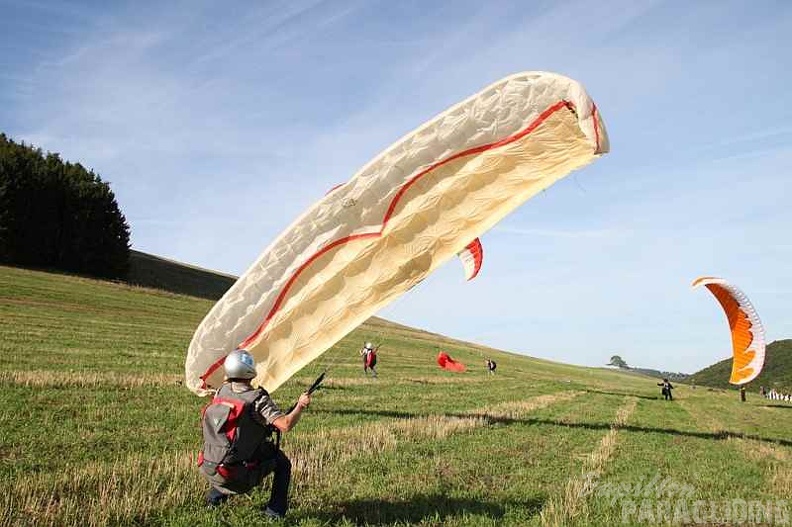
column 331, row 388
column 373, row 413
column 492, row 420
column 432, row 507
column 788, row 407
column 624, row 394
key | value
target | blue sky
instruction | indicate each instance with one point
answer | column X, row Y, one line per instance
column 217, row 124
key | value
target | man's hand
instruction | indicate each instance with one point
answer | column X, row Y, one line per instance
column 286, row 422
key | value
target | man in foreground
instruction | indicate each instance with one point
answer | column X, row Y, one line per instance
column 239, row 449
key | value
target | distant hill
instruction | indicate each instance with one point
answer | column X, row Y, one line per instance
column 673, row 376
column 777, row 371
column 156, row 272
column 621, row 364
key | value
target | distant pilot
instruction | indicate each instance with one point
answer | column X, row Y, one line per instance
column 491, row 366
column 369, row 355
column 666, row 389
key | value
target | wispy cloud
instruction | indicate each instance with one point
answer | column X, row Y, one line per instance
column 757, row 134
column 561, row 233
column 70, row 10
column 754, row 153
column 266, row 26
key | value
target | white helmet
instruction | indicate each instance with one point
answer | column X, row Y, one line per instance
column 369, row 346
column 239, row 364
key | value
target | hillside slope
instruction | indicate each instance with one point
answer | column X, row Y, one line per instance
column 156, row 272
column 777, row 371
column 77, row 317
column 99, row 430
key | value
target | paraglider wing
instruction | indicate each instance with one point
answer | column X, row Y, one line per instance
column 472, row 256
column 747, row 333
column 409, row 210
column 334, row 188
column 447, row 363
column 442, row 359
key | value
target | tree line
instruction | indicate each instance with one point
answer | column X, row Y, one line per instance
column 58, row 215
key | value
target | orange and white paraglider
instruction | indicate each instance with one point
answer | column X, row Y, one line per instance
column 747, row 333
column 413, row 207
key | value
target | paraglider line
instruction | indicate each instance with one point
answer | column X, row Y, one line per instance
column 596, row 126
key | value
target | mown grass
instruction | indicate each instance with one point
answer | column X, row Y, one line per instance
column 96, row 428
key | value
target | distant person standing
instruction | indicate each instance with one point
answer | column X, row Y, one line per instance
column 666, row 389
column 369, row 355
column 742, row 393
column 491, row 366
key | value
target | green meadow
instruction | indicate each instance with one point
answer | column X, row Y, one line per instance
column 96, row 428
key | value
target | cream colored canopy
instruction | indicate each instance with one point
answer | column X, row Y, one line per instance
column 413, row 207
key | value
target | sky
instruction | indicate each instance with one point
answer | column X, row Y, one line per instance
column 217, row 124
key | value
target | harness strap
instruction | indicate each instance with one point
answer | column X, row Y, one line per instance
column 277, row 437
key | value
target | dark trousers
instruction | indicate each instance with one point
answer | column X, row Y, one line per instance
column 247, row 478
column 279, row 496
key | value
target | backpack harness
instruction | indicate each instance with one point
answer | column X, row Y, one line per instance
column 231, row 435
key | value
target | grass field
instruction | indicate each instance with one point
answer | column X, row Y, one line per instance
column 96, row 429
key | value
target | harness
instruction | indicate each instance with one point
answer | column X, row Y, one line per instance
column 233, row 439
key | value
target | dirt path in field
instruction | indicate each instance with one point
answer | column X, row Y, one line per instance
column 62, row 379
column 559, row 510
column 313, row 453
